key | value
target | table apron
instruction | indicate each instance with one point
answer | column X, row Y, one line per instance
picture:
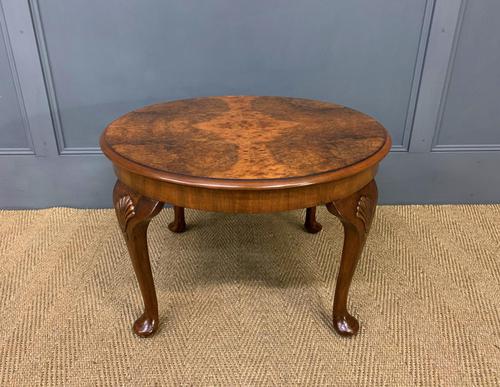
column 245, row 200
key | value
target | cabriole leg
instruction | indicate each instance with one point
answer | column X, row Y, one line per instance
column 134, row 212
column 356, row 213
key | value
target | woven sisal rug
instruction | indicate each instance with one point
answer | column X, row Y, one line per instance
column 246, row 300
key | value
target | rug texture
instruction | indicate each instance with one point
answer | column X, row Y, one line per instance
column 246, row 300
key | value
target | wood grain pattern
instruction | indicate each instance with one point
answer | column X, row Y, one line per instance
column 245, row 200
column 243, row 138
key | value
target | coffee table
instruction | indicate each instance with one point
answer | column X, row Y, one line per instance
column 245, row 154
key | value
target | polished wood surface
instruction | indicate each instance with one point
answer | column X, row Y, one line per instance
column 245, row 154
column 259, row 142
column 245, row 200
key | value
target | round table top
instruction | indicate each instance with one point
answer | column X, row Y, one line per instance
column 245, row 141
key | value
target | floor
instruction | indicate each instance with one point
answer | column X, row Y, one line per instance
column 246, row 300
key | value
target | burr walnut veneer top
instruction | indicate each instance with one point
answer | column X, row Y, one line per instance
column 247, row 142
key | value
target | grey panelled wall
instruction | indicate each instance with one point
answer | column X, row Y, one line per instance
column 470, row 116
column 14, row 138
column 103, row 64
column 68, row 68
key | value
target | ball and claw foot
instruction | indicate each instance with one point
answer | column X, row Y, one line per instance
column 311, row 225
column 145, row 326
column 345, row 325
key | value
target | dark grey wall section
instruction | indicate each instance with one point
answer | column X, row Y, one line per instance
column 361, row 53
column 470, row 114
column 87, row 180
column 427, row 69
column 13, row 138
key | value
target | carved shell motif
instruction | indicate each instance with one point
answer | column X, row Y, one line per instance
column 364, row 211
column 125, row 211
